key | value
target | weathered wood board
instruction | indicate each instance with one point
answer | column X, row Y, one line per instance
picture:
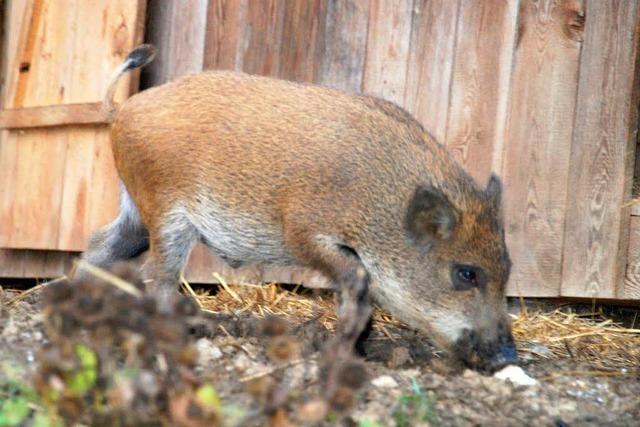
column 602, row 155
column 538, row 142
column 61, row 52
column 632, row 276
column 485, row 37
column 429, row 71
column 388, row 40
column 541, row 92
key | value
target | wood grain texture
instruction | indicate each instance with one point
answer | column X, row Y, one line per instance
column 225, row 30
column 87, row 81
column 508, row 85
column 484, row 32
column 27, row 39
column 43, row 56
column 53, row 115
column 20, row 263
column 261, row 38
column 302, row 41
column 632, row 276
column 86, row 204
column 177, row 29
column 538, row 142
column 508, row 43
column 3, row 48
column 17, row 14
column 68, row 61
column 388, row 44
column 344, row 44
column 430, row 66
column 603, row 152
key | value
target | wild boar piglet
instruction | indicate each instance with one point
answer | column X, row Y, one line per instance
column 268, row 171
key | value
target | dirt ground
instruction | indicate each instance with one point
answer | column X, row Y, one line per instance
column 409, row 382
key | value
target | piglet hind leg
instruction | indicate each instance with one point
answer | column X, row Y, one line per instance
column 170, row 246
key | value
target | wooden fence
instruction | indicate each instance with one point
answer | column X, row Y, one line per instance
column 542, row 92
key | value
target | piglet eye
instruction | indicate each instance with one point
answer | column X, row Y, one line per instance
column 465, row 277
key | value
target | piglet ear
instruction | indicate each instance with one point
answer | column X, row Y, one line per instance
column 494, row 190
column 430, row 216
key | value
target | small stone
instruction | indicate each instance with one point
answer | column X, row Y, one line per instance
column 516, row 375
column 385, row 381
column 207, row 352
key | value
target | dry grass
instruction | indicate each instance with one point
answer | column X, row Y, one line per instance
column 590, row 338
column 296, row 304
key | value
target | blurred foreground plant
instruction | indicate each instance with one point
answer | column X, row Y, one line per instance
column 120, row 356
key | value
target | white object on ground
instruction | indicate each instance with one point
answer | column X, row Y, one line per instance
column 516, row 375
column 385, row 381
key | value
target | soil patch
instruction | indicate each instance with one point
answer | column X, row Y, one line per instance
column 261, row 375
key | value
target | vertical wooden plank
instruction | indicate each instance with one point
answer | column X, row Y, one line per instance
column 261, row 41
column 433, row 38
column 16, row 13
column 602, row 154
column 187, row 31
column 30, row 30
column 345, row 42
column 388, row 43
column 103, row 197
column 509, row 39
column 300, row 48
column 90, row 187
column 178, row 30
column 3, row 48
column 225, row 29
column 80, row 84
column 16, row 31
column 157, row 33
column 34, row 216
column 40, row 154
column 632, row 277
column 480, row 74
column 538, row 142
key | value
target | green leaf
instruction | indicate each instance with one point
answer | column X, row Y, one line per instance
column 42, row 420
column 208, row 397
column 84, row 379
column 14, row 411
column 368, row 423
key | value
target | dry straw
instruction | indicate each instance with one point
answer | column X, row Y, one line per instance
column 591, row 338
column 587, row 337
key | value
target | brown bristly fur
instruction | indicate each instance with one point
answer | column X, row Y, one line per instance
column 269, row 171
